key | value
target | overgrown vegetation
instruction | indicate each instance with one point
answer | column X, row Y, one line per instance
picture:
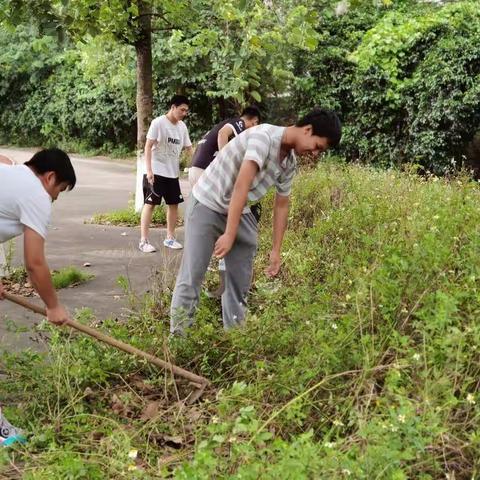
column 69, row 277
column 127, row 217
column 360, row 361
column 403, row 74
column 16, row 281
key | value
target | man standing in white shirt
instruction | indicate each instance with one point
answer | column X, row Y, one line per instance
column 166, row 138
column 26, row 195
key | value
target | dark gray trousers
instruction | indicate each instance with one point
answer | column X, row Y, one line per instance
column 203, row 226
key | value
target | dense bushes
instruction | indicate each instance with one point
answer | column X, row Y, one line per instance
column 405, row 79
column 47, row 97
column 416, row 88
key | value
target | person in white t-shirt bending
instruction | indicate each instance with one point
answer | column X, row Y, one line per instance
column 166, row 138
column 26, row 195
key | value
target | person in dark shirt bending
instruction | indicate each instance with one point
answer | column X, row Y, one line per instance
column 216, row 138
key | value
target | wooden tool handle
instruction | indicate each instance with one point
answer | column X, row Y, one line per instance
column 114, row 342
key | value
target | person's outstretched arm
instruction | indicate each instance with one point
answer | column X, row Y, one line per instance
column 39, row 274
column 224, row 135
column 280, row 220
column 247, row 173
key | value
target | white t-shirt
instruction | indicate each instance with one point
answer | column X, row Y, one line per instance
column 24, row 202
column 171, row 138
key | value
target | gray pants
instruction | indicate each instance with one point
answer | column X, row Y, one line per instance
column 202, row 228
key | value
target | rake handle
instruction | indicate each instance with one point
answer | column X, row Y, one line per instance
column 125, row 347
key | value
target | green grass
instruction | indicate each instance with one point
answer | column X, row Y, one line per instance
column 127, row 217
column 360, row 361
column 68, row 276
column 62, row 278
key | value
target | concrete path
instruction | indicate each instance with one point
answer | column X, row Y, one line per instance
column 102, row 186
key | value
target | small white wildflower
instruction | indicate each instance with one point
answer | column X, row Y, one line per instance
column 404, row 310
column 133, row 454
column 436, row 217
column 307, row 322
column 401, row 418
column 131, row 468
column 338, row 423
column 416, row 357
column 393, row 428
column 215, row 419
column 232, row 439
column 346, row 472
column 471, row 399
column 334, row 326
column 347, row 297
column 329, row 444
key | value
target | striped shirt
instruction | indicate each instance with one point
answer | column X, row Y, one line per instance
column 261, row 144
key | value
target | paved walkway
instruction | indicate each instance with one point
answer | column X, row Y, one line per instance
column 102, row 186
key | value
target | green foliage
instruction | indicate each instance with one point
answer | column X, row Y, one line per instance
column 415, row 90
column 129, row 218
column 404, row 78
column 68, row 276
column 368, row 340
column 65, row 277
column 46, row 99
column 359, row 361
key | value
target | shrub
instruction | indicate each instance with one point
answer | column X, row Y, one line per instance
column 47, row 98
column 415, row 90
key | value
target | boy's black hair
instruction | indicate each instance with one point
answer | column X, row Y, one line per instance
column 54, row 160
column 178, row 100
column 251, row 111
column 325, row 123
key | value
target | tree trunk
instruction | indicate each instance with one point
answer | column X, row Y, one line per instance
column 143, row 48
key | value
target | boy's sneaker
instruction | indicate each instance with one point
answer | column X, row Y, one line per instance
column 146, row 247
column 8, row 433
column 172, row 243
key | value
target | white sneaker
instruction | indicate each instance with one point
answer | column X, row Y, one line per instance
column 146, row 247
column 172, row 243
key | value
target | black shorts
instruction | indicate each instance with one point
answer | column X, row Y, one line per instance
column 162, row 188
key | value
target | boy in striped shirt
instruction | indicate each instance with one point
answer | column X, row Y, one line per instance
column 219, row 220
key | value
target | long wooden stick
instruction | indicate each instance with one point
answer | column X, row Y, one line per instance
column 201, row 382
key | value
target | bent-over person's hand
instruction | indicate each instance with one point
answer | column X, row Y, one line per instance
column 274, row 266
column 223, row 245
column 57, row 315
